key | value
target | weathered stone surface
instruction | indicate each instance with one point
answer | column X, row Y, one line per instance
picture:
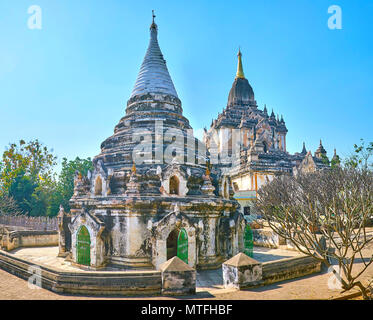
column 267, row 238
column 10, row 240
column 130, row 212
column 240, row 260
column 90, row 283
column 289, row 268
column 241, row 272
column 177, row 278
column 64, row 233
column 174, row 264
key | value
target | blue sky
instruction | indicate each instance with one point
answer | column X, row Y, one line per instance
column 68, row 83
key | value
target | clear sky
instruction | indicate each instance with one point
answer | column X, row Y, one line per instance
column 68, row 83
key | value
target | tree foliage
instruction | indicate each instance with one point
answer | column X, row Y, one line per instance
column 32, row 160
column 362, row 156
column 65, row 186
column 335, row 162
column 28, row 180
column 26, row 175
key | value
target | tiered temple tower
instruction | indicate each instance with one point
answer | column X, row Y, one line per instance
column 249, row 146
column 150, row 196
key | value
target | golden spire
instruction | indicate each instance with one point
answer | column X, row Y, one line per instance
column 208, row 166
column 134, row 168
column 207, row 173
column 240, row 73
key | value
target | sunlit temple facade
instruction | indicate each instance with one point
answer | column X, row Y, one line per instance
column 157, row 192
column 260, row 141
column 146, row 202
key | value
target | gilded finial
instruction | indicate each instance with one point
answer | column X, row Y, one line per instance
column 134, row 168
column 208, row 166
column 240, row 73
column 207, row 173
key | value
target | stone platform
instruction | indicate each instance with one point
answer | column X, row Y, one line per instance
column 61, row 276
column 47, row 256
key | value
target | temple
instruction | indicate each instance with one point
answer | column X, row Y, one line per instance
column 157, row 192
column 150, row 196
column 249, row 145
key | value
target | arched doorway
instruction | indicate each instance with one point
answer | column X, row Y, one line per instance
column 172, row 244
column 83, row 247
column 177, row 245
column 174, row 185
column 249, row 241
column 265, row 148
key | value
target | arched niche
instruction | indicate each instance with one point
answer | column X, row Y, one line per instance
column 171, row 235
column 177, row 244
column 172, row 244
column 98, row 186
column 226, row 189
column 174, row 185
column 265, row 147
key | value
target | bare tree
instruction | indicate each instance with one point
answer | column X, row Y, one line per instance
column 8, row 206
column 325, row 215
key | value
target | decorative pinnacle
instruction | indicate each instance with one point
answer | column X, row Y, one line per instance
column 208, row 166
column 304, row 150
column 207, row 173
column 240, row 73
column 134, row 168
column 153, row 25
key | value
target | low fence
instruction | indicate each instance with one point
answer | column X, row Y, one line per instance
column 30, row 223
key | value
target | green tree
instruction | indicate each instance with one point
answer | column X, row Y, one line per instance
column 65, row 186
column 21, row 190
column 26, row 175
column 336, row 162
column 325, row 159
column 362, row 156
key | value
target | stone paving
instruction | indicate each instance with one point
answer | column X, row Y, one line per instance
column 209, row 286
column 212, row 280
column 47, row 256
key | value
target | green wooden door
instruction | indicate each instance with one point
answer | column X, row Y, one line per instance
column 83, row 247
column 248, row 241
column 182, row 245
